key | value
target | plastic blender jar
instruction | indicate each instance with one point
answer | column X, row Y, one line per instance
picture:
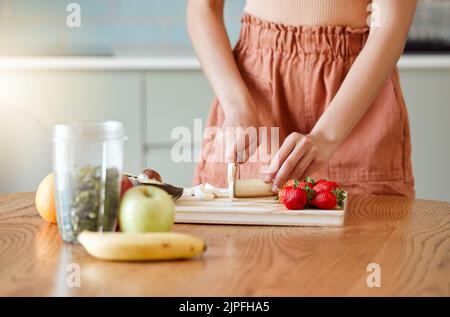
column 87, row 166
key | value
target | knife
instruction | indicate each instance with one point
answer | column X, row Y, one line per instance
column 237, row 188
column 174, row 191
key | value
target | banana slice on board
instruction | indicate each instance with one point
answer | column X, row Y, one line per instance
column 202, row 193
column 218, row 192
column 231, row 175
column 156, row 246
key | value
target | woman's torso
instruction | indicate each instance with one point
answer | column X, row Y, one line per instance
column 351, row 13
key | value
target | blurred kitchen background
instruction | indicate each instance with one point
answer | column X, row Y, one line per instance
column 131, row 60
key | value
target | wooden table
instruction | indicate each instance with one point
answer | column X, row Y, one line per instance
column 409, row 239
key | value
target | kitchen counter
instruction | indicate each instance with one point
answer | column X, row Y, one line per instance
column 409, row 239
column 169, row 63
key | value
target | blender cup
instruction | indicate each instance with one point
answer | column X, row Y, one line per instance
column 87, row 165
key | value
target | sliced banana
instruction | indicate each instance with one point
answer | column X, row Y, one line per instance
column 231, row 175
column 190, row 191
column 202, row 193
column 218, row 192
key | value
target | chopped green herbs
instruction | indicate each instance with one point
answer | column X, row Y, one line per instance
column 90, row 203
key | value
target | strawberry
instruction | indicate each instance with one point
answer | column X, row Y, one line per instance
column 295, row 198
column 324, row 200
column 324, row 185
column 295, row 184
column 291, row 183
column 308, row 182
column 341, row 195
column 282, row 192
column 329, row 199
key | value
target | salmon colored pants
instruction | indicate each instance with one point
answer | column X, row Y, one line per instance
column 293, row 73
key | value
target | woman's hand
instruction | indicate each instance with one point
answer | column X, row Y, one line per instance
column 299, row 156
column 241, row 131
column 210, row 40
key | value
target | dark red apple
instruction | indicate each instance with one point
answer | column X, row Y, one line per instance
column 125, row 185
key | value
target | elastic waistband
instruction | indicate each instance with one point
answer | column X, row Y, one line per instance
column 302, row 40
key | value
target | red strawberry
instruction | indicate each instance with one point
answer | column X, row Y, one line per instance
column 291, row 183
column 295, row 198
column 321, row 181
column 324, row 200
column 308, row 182
column 329, row 199
column 324, row 185
column 304, row 184
column 282, row 192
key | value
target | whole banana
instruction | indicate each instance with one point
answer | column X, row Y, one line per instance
column 118, row 246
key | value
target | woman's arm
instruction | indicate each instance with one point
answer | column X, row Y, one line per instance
column 301, row 154
column 210, row 40
column 368, row 73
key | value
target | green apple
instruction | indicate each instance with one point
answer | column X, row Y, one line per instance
column 146, row 209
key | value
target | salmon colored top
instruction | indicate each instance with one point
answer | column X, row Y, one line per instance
column 351, row 13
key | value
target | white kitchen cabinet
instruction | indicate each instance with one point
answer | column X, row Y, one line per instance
column 427, row 95
column 179, row 174
column 174, row 99
column 32, row 101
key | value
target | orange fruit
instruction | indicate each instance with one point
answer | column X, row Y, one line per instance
column 45, row 199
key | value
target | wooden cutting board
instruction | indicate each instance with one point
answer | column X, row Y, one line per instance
column 252, row 211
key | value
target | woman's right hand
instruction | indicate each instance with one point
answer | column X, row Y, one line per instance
column 240, row 128
column 210, row 40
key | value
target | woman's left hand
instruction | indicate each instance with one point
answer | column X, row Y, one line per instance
column 300, row 155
